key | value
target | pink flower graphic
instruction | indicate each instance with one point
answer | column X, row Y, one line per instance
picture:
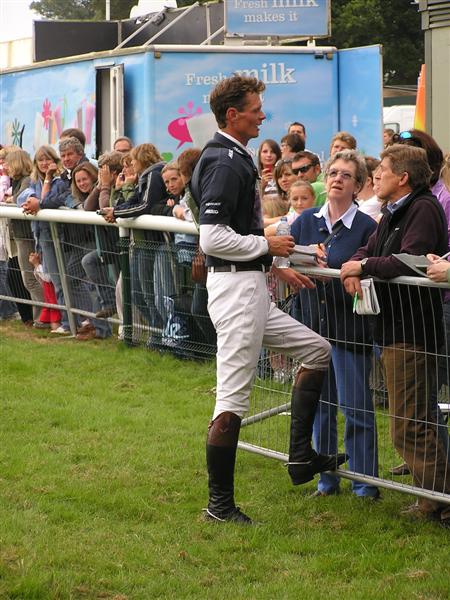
column 46, row 112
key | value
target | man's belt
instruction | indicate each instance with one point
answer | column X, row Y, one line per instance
column 238, row 267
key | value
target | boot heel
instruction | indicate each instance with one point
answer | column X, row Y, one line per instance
column 300, row 472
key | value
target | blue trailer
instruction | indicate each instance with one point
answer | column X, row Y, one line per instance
column 151, row 93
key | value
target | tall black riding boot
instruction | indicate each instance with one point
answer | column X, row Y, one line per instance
column 304, row 462
column 221, row 446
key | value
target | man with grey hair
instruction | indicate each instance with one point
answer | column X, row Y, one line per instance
column 408, row 327
column 72, row 154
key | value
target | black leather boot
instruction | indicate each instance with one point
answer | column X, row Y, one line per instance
column 304, row 462
column 221, row 446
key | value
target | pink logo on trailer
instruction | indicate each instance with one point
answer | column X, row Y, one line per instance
column 178, row 128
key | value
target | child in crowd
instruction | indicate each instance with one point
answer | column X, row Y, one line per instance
column 301, row 196
column 274, row 207
column 50, row 316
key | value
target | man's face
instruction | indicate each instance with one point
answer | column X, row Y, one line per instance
column 173, row 182
column 304, row 169
column 70, row 158
column 122, row 146
column 244, row 125
column 386, row 184
column 298, row 129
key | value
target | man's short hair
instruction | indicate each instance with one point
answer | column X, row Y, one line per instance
column 123, row 138
column 71, row 142
column 232, row 93
column 299, row 124
column 76, row 133
column 421, row 139
column 308, row 155
column 411, row 160
column 294, row 141
column 112, row 159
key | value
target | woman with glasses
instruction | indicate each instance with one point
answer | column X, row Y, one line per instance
column 339, row 229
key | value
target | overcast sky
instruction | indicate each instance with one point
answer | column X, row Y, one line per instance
column 15, row 19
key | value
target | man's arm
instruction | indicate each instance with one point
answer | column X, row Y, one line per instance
column 420, row 236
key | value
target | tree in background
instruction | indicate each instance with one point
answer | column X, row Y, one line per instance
column 393, row 23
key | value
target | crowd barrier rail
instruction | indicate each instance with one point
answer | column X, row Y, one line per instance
column 155, row 279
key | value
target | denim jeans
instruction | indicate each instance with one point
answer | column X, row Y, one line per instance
column 81, row 292
column 347, row 386
column 142, row 289
column 98, row 273
column 7, row 308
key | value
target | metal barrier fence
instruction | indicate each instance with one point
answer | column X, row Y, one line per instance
column 135, row 269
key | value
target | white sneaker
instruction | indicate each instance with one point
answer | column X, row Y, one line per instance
column 60, row 330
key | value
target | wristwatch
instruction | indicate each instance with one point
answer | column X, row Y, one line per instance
column 363, row 264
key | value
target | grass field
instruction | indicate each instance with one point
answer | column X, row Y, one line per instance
column 102, row 481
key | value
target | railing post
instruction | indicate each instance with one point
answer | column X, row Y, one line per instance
column 62, row 274
column 124, row 255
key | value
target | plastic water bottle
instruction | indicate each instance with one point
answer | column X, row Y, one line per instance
column 283, row 229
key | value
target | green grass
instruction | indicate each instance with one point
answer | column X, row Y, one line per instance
column 102, row 481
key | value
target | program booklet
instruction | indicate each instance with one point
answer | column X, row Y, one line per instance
column 303, row 256
column 418, row 264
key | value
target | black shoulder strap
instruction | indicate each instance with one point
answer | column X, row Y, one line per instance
column 334, row 231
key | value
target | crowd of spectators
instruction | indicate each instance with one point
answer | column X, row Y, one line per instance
column 336, row 207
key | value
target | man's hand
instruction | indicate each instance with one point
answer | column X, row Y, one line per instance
column 108, row 214
column 352, row 268
column 281, row 245
column 353, row 286
column 31, row 206
column 438, row 271
column 293, row 278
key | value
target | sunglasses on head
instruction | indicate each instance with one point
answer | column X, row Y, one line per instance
column 303, row 169
column 406, row 137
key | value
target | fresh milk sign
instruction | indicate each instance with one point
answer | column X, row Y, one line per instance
column 283, row 18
